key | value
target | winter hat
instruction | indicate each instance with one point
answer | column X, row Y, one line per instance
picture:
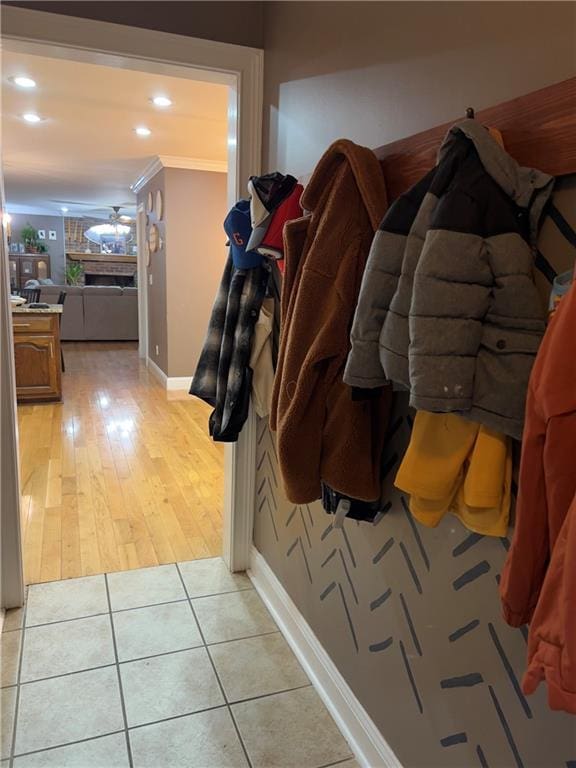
column 272, row 244
column 266, row 194
column 237, row 227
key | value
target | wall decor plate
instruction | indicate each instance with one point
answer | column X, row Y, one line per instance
column 159, row 205
column 150, row 202
column 153, row 238
column 147, row 252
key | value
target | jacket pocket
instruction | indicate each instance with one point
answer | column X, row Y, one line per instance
column 505, row 360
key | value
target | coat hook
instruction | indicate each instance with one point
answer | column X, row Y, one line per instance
column 470, row 113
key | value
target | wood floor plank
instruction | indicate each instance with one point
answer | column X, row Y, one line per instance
column 120, row 474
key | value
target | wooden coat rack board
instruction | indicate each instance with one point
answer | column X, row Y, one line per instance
column 539, row 131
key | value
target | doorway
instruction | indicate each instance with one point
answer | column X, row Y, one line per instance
column 140, row 50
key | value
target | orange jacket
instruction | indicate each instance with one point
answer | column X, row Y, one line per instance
column 539, row 578
column 323, row 434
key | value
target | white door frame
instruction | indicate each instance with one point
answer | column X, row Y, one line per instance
column 126, row 47
column 11, row 569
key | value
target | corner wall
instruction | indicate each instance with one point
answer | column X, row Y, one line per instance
column 187, row 268
column 195, row 203
column 409, row 615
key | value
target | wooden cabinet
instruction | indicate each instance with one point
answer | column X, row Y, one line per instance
column 28, row 266
column 37, row 356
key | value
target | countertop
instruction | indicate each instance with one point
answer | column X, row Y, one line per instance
column 53, row 309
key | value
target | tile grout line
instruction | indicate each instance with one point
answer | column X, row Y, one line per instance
column 125, row 610
column 122, row 702
column 68, row 744
column 272, row 693
column 20, row 662
column 178, row 717
column 128, row 570
column 227, row 703
column 141, row 658
column 67, row 674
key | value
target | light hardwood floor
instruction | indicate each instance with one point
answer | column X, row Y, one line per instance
column 119, row 475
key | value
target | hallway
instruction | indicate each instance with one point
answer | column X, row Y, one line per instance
column 120, row 475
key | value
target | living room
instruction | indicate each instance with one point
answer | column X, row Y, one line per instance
column 116, row 190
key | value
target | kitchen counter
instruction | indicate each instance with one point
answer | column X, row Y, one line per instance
column 24, row 309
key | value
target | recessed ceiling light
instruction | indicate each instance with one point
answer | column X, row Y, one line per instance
column 23, row 82
column 162, row 101
column 64, row 209
column 32, row 117
column 141, row 130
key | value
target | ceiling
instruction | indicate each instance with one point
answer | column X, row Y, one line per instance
column 84, row 155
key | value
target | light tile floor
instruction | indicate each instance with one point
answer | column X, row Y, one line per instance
column 178, row 666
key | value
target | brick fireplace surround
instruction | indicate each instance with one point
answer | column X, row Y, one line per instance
column 97, row 271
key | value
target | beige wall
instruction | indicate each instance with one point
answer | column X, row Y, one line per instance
column 195, row 245
column 237, row 22
column 407, row 613
column 375, row 72
column 186, row 270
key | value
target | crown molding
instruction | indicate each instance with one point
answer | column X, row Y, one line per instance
column 174, row 161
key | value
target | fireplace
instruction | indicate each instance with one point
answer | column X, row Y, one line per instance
column 107, row 269
column 124, row 281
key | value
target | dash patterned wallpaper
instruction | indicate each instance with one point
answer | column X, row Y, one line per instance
column 411, row 618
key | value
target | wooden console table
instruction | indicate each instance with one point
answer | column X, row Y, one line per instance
column 37, row 353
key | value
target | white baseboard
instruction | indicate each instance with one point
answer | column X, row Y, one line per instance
column 170, row 383
column 369, row 746
column 156, row 371
column 178, row 383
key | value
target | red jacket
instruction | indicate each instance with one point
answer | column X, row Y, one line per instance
column 539, row 578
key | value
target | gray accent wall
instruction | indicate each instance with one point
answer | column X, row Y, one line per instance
column 55, row 248
column 409, row 615
column 157, row 304
column 375, row 72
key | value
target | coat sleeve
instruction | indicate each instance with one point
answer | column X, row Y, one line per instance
column 379, row 283
column 528, row 556
column 450, row 298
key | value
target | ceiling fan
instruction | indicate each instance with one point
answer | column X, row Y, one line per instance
column 117, row 217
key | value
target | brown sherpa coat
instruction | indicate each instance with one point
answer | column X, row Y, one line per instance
column 323, row 434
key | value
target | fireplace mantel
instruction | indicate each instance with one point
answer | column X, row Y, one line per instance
column 125, row 258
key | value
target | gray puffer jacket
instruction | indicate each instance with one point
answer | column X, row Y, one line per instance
column 448, row 308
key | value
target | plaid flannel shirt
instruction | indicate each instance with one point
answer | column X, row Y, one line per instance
column 223, row 378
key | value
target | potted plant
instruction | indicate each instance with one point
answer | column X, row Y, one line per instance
column 74, row 273
column 29, row 237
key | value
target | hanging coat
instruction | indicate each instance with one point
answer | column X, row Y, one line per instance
column 538, row 582
column 223, row 378
column 323, row 434
column 448, row 307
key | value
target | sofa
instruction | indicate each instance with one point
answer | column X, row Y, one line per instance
column 96, row 312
